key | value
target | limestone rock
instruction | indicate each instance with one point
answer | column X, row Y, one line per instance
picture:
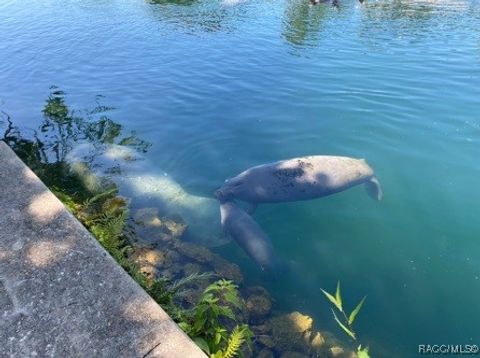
column 340, row 352
column 289, row 332
column 336, row 352
column 317, row 342
column 330, row 338
column 266, row 340
column 148, row 259
column 227, row 270
column 152, row 227
column 195, row 252
column 176, row 228
column 147, row 217
column 259, row 305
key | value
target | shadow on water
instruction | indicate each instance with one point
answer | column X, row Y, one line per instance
column 62, row 129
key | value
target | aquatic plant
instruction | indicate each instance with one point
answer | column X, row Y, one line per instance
column 204, row 321
column 345, row 322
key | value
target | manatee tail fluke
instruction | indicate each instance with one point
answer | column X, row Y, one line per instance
column 374, row 189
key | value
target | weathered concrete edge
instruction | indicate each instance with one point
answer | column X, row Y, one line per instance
column 61, row 294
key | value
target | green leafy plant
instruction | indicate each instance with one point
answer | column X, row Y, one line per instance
column 204, row 321
column 345, row 321
column 239, row 335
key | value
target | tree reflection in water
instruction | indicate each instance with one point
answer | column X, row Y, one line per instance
column 302, row 22
column 62, row 129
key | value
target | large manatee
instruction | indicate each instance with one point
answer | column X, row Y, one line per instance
column 300, row 179
column 248, row 234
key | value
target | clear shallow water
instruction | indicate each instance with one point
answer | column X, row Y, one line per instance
column 219, row 88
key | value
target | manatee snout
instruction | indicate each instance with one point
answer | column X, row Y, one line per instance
column 226, row 192
column 222, row 195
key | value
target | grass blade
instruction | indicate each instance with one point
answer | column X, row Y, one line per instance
column 338, row 297
column 354, row 313
column 348, row 331
column 330, row 297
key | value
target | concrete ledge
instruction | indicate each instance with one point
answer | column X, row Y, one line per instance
column 61, row 294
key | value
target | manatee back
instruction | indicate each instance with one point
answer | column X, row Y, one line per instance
column 300, row 179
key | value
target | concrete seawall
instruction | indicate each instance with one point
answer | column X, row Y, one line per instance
column 61, row 294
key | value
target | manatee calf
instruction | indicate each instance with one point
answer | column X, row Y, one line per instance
column 300, row 179
column 248, row 234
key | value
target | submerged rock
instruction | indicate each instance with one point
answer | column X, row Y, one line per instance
column 153, row 228
column 176, row 228
column 258, row 304
column 317, row 342
column 265, row 340
column 265, row 353
column 227, row 270
column 336, row 352
column 147, row 217
column 290, row 354
column 289, row 332
column 330, row 339
column 260, row 329
column 195, row 252
column 148, row 259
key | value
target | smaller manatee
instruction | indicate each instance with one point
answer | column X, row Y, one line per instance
column 248, row 234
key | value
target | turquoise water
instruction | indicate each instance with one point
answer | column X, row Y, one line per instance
column 219, row 87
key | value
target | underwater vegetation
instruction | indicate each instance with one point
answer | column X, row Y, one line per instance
column 345, row 322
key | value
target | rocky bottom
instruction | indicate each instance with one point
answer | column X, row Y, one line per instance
column 277, row 334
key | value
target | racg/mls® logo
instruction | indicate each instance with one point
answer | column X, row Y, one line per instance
column 455, row 349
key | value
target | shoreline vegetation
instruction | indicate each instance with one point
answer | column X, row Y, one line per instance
column 203, row 292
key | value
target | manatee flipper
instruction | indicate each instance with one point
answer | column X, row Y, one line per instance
column 251, row 208
column 373, row 188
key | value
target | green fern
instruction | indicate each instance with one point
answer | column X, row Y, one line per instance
column 237, row 338
column 89, row 202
